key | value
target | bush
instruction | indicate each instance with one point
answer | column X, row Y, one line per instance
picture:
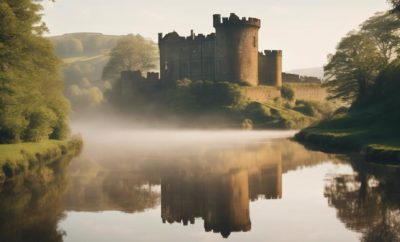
column 287, row 92
column 305, row 108
column 257, row 111
column 247, row 124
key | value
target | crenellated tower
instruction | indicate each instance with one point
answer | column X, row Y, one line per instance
column 236, row 49
column 270, row 67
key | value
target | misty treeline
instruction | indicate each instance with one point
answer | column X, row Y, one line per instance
column 32, row 104
column 93, row 61
column 364, row 66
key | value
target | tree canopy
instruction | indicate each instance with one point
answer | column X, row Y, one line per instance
column 360, row 56
column 32, row 105
column 395, row 4
column 132, row 52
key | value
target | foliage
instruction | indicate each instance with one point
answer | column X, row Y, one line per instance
column 360, row 56
column 383, row 29
column 32, row 105
column 132, row 52
column 287, row 92
column 247, row 124
column 353, row 68
column 83, row 44
column 396, row 5
column 85, row 55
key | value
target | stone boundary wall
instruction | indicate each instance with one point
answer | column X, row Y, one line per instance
column 261, row 93
column 308, row 92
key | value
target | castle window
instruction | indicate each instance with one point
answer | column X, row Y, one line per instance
column 254, row 41
column 166, row 66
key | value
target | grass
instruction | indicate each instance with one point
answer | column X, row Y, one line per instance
column 16, row 151
column 373, row 131
column 15, row 158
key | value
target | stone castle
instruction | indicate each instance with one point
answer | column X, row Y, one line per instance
column 230, row 54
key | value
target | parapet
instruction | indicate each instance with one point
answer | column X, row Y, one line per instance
column 153, row 76
column 175, row 37
column 273, row 52
column 234, row 20
column 131, row 75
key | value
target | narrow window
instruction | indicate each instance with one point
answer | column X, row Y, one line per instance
column 254, row 41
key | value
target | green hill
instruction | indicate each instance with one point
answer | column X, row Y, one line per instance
column 84, row 56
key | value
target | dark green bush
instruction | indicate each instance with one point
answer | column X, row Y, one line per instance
column 287, row 92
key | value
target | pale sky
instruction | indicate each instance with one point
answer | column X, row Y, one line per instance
column 306, row 30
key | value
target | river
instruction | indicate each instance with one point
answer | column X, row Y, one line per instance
column 193, row 185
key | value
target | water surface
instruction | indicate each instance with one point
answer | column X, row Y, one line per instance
column 160, row 185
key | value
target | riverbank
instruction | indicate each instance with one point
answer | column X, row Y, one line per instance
column 18, row 158
column 371, row 132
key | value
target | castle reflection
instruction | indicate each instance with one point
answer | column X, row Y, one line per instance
column 215, row 184
column 222, row 201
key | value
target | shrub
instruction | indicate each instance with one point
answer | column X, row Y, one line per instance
column 247, row 124
column 287, row 92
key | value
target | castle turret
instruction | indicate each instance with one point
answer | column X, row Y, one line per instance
column 236, row 49
column 270, row 67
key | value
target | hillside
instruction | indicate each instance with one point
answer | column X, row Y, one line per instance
column 314, row 72
column 84, row 56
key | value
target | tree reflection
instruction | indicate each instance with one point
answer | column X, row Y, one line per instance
column 368, row 201
column 31, row 206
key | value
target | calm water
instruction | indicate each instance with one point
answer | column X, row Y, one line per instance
column 202, row 186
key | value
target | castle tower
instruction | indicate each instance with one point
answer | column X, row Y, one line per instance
column 271, row 68
column 236, row 49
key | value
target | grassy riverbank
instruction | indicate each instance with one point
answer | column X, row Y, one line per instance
column 373, row 131
column 16, row 158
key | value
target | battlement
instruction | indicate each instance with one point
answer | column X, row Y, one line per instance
column 175, row 37
column 234, row 20
column 153, row 76
column 131, row 75
column 272, row 53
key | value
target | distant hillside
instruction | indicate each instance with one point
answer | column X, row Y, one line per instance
column 314, row 71
column 84, row 56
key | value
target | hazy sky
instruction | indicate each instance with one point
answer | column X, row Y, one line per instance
column 306, row 30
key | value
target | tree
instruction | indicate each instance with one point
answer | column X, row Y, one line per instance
column 395, row 4
column 361, row 55
column 383, row 29
column 287, row 92
column 32, row 105
column 132, row 52
column 353, row 67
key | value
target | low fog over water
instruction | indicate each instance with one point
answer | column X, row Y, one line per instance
column 115, row 138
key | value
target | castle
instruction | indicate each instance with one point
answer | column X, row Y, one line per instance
column 230, row 54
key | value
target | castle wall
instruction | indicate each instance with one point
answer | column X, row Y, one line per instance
column 309, row 92
column 190, row 57
column 260, row 93
column 288, row 77
column 236, row 49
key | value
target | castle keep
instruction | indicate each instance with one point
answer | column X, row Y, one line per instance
column 230, row 54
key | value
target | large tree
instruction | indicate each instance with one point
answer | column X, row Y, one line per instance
column 361, row 55
column 32, row 105
column 353, row 68
column 383, row 29
column 132, row 52
column 396, row 5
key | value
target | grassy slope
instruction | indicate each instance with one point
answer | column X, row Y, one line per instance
column 373, row 131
